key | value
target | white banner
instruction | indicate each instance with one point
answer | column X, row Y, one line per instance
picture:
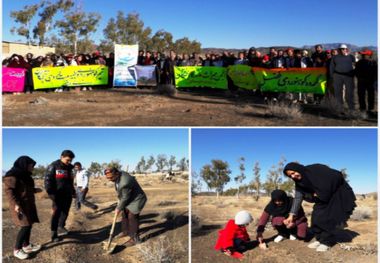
column 125, row 60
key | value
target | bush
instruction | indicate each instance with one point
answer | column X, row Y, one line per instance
column 361, row 214
column 161, row 251
column 196, row 225
column 166, row 89
column 284, row 110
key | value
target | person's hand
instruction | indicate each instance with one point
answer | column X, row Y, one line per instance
column 263, row 246
column 37, row 190
column 17, row 209
column 228, row 251
column 82, row 190
column 117, row 211
column 288, row 220
column 315, row 195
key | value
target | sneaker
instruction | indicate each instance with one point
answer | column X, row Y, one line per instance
column 314, row 245
column 291, row 237
column 63, row 231
column 20, row 254
column 278, row 239
column 322, row 248
column 31, row 248
column 54, row 236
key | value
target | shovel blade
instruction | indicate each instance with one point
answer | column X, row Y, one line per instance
column 109, row 247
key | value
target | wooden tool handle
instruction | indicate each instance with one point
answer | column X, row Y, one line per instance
column 112, row 229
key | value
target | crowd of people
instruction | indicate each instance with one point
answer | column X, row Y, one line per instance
column 341, row 67
column 20, row 190
column 333, row 199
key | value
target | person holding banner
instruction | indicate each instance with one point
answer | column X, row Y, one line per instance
column 342, row 71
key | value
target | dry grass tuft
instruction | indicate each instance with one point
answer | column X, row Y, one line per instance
column 166, row 89
column 161, row 250
column 361, row 213
column 196, row 224
column 284, row 110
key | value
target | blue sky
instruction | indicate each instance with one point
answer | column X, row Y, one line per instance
column 101, row 145
column 240, row 23
column 354, row 149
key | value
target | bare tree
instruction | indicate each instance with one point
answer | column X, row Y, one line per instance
column 161, row 162
column 182, row 164
column 240, row 178
column 140, row 167
column 150, row 163
column 171, row 162
column 256, row 184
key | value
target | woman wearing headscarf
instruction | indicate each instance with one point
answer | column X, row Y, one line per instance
column 19, row 189
column 278, row 208
column 333, row 198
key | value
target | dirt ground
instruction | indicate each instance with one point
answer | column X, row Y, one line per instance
column 357, row 243
column 164, row 226
column 145, row 107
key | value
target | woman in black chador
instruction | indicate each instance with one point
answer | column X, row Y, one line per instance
column 333, row 198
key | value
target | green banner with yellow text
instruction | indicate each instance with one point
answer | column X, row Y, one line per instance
column 242, row 76
column 212, row 77
column 70, row 76
column 304, row 80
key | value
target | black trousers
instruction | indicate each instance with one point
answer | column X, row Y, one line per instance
column 23, row 237
column 323, row 236
column 63, row 203
column 369, row 88
column 130, row 224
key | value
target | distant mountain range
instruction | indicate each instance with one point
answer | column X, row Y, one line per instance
column 327, row 46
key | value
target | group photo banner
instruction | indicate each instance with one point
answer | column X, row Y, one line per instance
column 303, row 80
column 70, row 76
column 146, row 75
column 212, row 77
column 125, row 62
column 13, row 79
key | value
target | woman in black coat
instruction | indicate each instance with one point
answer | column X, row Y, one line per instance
column 333, row 198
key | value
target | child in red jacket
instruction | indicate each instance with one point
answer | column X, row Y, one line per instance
column 234, row 237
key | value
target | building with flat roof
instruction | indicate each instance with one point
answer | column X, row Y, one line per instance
column 10, row 48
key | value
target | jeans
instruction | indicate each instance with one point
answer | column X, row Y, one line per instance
column 81, row 199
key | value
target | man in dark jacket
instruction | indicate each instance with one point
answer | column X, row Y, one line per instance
column 366, row 72
column 132, row 200
column 59, row 184
column 168, row 69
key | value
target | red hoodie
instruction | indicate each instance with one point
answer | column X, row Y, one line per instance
column 229, row 233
